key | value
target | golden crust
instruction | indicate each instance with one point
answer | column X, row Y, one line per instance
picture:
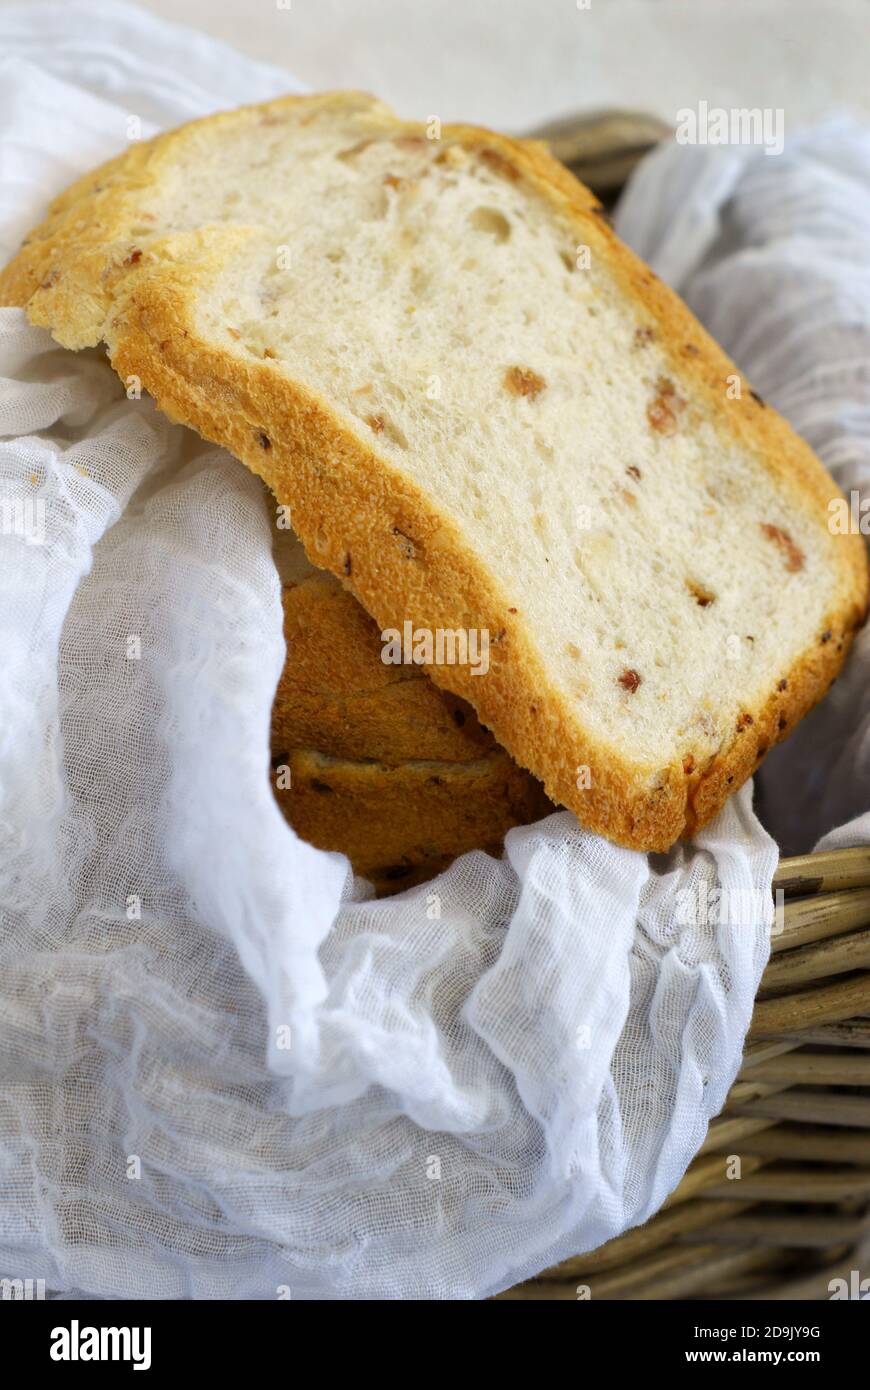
column 335, row 693
column 384, row 767
column 80, row 277
column 401, row 825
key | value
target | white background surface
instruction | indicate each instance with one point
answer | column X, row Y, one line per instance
column 511, row 63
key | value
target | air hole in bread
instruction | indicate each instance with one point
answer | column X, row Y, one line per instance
column 420, row 280
column 491, row 221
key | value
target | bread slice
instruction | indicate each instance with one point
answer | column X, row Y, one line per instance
column 400, row 824
column 335, row 693
column 374, row 760
column 487, row 416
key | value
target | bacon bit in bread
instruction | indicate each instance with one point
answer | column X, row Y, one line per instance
column 347, row 564
column 826, row 637
column 758, row 399
column 134, row 257
column 522, row 381
column 629, row 680
column 794, row 556
column 690, row 349
column 634, row 472
column 661, row 417
column 263, row 440
column 643, row 337
column 688, row 764
column 51, row 278
column 703, row 597
column 377, row 423
column 743, row 722
column 783, row 685
column 663, row 410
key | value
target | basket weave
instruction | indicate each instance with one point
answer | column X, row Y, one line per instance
column 798, row 1118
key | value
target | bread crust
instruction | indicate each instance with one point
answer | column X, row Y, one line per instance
column 335, row 693
column 402, row 824
column 384, row 767
column 81, row 278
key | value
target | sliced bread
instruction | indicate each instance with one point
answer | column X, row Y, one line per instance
column 489, row 419
column 400, row 824
column 374, row 760
column 337, row 695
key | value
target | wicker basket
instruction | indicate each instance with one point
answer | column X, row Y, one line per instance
column 798, row 1118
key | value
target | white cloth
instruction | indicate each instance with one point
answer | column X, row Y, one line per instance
column 485, row 1074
